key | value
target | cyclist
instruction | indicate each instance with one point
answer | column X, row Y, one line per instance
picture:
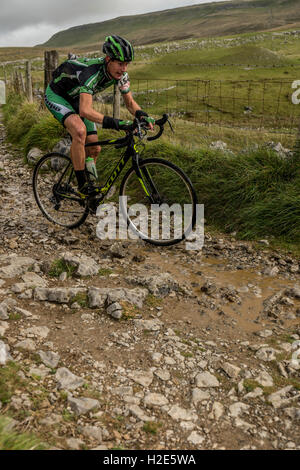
column 69, row 97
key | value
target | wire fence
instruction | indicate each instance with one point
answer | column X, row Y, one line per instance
column 253, row 104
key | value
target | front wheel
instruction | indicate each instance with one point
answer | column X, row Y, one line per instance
column 161, row 206
column 55, row 191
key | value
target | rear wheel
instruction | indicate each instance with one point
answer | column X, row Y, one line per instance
column 55, row 191
column 160, row 208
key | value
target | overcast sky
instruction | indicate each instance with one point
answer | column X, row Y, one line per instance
column 32, row 22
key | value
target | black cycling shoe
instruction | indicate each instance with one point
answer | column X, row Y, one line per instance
column 87, row 190
column 93, row 204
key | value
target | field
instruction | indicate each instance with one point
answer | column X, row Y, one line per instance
column 242, row 83
column 232, row 88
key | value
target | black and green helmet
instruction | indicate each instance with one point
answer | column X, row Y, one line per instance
column 118, row 48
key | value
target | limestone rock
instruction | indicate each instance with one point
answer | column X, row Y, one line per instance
column 67, row 380
column 155, row 399
column 82, row 405
column 206, row 380
column 85, row 265
column 143, row 378
column 18, row 266
column 181, row 414
column 4, row 353
column 49, row 358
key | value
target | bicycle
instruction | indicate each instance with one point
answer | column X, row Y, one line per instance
column 152, row 183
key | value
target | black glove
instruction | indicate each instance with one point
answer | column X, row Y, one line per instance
column 116, row 124
column 139, row 114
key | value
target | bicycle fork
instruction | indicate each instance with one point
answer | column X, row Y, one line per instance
column 146, row 181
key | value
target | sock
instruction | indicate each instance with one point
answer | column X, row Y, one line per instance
column 81, row 178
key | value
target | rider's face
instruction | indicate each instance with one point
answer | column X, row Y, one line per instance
column 116, row 68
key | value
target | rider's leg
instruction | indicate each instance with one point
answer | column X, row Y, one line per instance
column 92, row 136
column 77, row 130
column 95, row 150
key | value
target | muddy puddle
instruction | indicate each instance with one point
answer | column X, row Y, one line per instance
column 251, row 287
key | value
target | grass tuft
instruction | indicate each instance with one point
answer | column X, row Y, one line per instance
column 60, row 266
column 12, row 440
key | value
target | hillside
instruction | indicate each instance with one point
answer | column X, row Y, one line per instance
column 197, row 21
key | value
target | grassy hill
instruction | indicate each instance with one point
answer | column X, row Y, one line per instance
column 204, row 20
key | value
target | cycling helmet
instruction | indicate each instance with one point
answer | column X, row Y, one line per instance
column 118, row 48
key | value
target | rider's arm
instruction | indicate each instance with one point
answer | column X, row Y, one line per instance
column 133, row 107
column 130, row 104
column 86, row 109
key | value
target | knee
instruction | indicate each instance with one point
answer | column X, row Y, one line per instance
column 79, row 136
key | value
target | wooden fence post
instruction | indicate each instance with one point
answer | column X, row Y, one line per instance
column 29, row 82
column 51, row 63
column 21, row 81
column 116, row 105
column 16, row 82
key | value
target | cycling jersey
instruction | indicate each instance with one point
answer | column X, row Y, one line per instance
column 77, row 76
column 85, row 76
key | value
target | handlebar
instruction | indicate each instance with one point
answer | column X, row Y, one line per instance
column 144, row 125
column 160, row 122
column 123, row 142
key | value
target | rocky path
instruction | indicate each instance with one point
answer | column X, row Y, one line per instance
column 107, row 345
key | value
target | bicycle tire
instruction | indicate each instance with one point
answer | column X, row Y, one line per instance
column 48, row 192
column 170, row 183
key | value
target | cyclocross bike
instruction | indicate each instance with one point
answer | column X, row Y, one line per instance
column 157, row 184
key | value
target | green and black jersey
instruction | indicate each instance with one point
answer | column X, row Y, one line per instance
column 77, row 76
column 84, row 76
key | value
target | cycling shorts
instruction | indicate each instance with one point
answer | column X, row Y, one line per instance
column 61, row 109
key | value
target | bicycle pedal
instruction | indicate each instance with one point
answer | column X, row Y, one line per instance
column 93, row 204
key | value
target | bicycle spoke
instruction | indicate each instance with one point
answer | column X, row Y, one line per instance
column 55, row 190
column 165, row 213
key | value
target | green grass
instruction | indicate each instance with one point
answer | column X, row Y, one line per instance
column 13, row 440
column 10, row 381
column 105, row 271
column 152, row 427
column 60, row 266
column 68, row 416
column 44, row 134
column 27, row 126
column 81, row 298
column 250, row 385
